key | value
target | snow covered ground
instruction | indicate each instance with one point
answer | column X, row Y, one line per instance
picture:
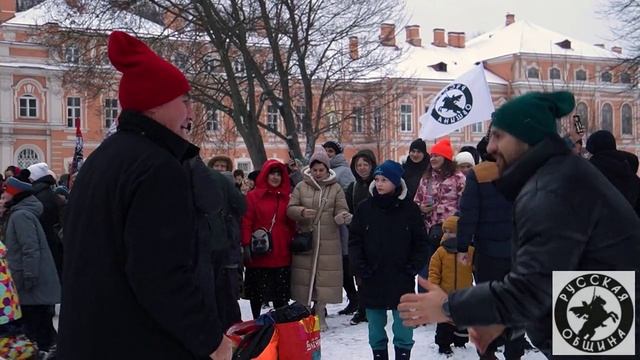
column 346, row 341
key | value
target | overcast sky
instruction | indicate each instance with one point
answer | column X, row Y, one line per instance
column 577, row 18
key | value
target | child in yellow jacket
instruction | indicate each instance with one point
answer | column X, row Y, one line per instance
column 450, row 274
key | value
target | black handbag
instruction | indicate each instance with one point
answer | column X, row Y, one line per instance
column 302, row 242
column 261, row 239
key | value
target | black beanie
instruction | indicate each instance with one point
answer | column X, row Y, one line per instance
column 253, row 176
column 334, row 145
column 419, row 145
column 601, row 140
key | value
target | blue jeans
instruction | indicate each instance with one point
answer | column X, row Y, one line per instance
column 402, row 335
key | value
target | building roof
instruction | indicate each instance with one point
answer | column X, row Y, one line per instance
column 525, row 37
column 520, row 37
column 57, row 11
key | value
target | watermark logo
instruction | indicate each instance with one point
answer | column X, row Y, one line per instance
column 593, row 313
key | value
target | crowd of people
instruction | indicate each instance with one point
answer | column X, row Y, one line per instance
column 152, row 248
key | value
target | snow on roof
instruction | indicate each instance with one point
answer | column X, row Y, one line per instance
column 517, row 38
column 32, row 65
column 525, row 37
column 57, row 11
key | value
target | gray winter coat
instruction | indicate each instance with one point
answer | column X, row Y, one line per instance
column 344, row 177
column 340, row 166
column 29, row 256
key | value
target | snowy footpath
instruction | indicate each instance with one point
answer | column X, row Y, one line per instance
column 346, row 341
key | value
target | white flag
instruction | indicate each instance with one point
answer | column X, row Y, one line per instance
column 465, row 101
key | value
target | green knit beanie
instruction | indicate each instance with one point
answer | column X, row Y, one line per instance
column 532, row 116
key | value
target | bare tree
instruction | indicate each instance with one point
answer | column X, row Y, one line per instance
column 245, row 57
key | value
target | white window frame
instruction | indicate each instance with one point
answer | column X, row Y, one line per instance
column 406, row 118
column 33, row 150
column 551, row 72
column 73, row 111
column 537, row 72
column 357, row 124
column 110, row 112
column 272, row 117
column 30, row 105
column 622, row 119
column 477, row 128
column 72, row 54
column 586, row 76
column 213, row 120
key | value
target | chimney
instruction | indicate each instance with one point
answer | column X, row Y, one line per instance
column 388, row 34
column 601, row 46
column 413, row 35
column 7, row 10
column 353, row 48
column 510, row 19
column 462, row 40
column 438, row 38
column 172, row 19
column 617, row 49
column 456, row 39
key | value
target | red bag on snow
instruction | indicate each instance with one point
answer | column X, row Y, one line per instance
column 287, row 333
column 299, row 340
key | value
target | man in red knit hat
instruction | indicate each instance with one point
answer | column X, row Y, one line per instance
column 134, row 285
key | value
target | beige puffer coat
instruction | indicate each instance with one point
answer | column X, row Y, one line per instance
column 327, row 251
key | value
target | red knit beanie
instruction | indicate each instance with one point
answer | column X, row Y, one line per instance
column 147, row 79
column 443, row 148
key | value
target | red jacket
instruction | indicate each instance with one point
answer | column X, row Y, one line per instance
column 262, row 203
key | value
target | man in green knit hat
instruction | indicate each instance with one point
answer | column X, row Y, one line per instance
column 567, row 217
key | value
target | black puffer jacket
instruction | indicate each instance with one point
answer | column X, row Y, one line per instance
column 358, row 191
column 388, row 246
column 614, row 165
column 567, row 216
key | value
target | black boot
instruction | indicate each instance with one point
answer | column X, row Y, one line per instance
column 402, row 354
column 380, row 354
column 350, row 309
column 358, row 318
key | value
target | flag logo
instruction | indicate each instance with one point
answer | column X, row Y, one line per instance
column 593, row 313
column 453, row 104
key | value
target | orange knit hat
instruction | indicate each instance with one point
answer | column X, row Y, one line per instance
column 443, row 148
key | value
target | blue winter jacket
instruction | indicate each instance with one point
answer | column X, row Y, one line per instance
column 485, row 215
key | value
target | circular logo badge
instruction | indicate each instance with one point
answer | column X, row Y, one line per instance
column 594, row 313
column 453, row 104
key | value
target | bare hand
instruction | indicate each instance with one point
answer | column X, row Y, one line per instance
column 309, row 213
column 483, row 336
column 224, row 350
column 463, row 258
column 426, row 209
column 426, row 308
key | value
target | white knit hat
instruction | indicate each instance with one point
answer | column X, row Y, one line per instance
column 38, row 171
column 465, row 158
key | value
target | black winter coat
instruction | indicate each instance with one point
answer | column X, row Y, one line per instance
column 50, row 218
column 567, row 216
column 614, row 166
column 131, row 285
column 413, row 172
column 485, row 215
column 358, row 191
column 387, row 248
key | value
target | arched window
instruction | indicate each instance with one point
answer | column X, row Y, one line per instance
column 27, row 157
column 625, row 78
column 583, row 111
column 606, row 77
column 554, row 74
column 627, row 120
column 533, row 73
column 607, row 118
column 581, row 75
